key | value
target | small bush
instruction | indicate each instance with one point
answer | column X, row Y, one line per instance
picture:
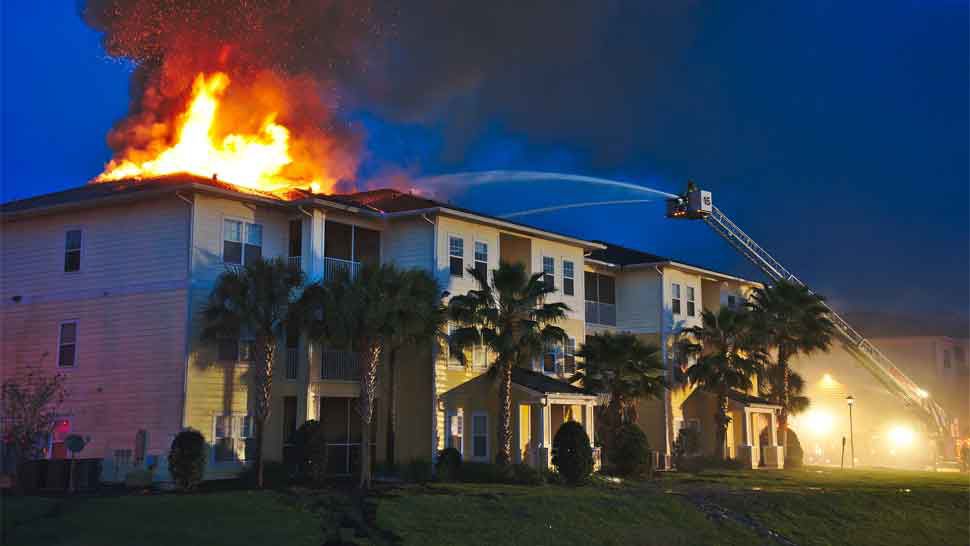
column 449, row 464
column 310, row 451
column 794, row 454
column 484, row 473
column 417, row 470
column 687, row 443
column 275, row 475
column 186, row 459
column 631, row 451
column 523, row 474
column 573, row 454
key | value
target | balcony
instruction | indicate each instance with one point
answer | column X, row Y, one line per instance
column 600, row 313
column 339, row 365
column 333, row 266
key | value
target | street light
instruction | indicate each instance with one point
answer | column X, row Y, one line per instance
column 850, row 400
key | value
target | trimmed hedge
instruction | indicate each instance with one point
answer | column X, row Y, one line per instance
column 573, row 454
column 186, row 459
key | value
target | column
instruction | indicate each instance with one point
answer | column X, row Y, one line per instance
column 773, row 426
column 313, row 245
column 544, row 448
column 588, row 421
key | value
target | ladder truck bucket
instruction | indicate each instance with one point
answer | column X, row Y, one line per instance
column 696, row 204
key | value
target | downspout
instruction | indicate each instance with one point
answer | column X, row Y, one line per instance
column 307, row 395
column 434, row 349
column 668, row 400
column 188, row 309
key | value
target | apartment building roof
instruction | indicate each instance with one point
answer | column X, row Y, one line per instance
column 542, row 383
column 630, row 258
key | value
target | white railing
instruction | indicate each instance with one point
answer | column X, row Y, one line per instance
column 294, row 262
column 331, row 266
column 292, row 362
column 600, row 313
column 339, row 365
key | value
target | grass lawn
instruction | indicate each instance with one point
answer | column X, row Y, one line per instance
column 805, row 507
column 229, row 518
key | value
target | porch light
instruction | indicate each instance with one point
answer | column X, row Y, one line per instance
column 850, row 400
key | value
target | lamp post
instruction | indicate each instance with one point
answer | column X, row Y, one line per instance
column 850, row 400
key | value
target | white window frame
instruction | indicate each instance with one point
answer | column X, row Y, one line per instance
column 456, row 414
column 675, row 298
column 475, row 255
column 80, row 250
column 461, row 273
column 243, row 237
column 235, row 423
column 571, row 277
column 568, row 350
column 60, row 332
column 474, row 435
column 553, row 274
column 691, row 299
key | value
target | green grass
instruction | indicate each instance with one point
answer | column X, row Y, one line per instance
column 230, row 518
column 828, row 506
column 497, row 514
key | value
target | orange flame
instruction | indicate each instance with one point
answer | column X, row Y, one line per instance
column 253, row 160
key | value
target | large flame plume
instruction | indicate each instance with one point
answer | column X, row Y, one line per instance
column 248, row 92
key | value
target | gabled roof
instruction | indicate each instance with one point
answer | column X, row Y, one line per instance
column 625, row 257
column 542, row 383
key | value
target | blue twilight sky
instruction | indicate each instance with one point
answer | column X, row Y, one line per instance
column 835, row 133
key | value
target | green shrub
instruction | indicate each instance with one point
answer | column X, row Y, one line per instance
column 448, row 466
column 484, row 473
column 631, row 451
column 310, row 451
column 275, row 475
column 186, row 459
column 687, row 443
column 573, row 455
column 523, row 474
column 417, row 470
column 793, row 453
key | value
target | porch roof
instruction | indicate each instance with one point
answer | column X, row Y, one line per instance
column 542, row 383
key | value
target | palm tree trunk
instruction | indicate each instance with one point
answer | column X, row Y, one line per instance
column 263, row 376
column 721, row 420
column 785, row 397
column 504, row 455
column 391, row 406
column 368, row 393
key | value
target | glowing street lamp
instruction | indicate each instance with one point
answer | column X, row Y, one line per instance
column 850, row 400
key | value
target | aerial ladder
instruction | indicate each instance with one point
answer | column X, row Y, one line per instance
column 697, row 204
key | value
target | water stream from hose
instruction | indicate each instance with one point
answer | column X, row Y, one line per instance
column 492, row 177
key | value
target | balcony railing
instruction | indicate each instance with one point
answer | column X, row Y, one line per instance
column 292, row 362
column 600, row 313
column 331, row 266
column 294, row 262
column 339, row 365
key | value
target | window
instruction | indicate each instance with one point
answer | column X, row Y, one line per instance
column 480, row 356
column 456, row 430
column 568, row 278
column 675, row 298
column 569, row 357
column 481, row 259
column 292, row 353
column 549, row 355
column 456, row 256
column 232, row 435
column 947, row 361
column 690, row 301
column 67, row 345
column 480, row 436
column 72, row 251
column 236, row 349
column 549, row 272
column 732, row 302
column 242, row 242
column 600, row 298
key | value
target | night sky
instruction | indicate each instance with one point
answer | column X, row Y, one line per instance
column 835, row 133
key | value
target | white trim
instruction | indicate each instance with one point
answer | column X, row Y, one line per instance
column 475, row 259
column 573, row 262
column 473, row 435
column 542, row 267
column 453, row 414
column 232, row 435
column 243, row 236
column 60, row 331
column 449, row 237
column 81, row 253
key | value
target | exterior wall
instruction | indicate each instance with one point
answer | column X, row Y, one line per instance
column 638, row 300
column 562, row 252
column 409, row 243
column 129, row 300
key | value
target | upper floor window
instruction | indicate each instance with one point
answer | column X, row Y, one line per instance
column 232, row 349
column 690, row 301
column 560, row 358
column 600, row 294
column 675, row 298
column 549, row 272
column 569, row 357
column 456, row 256
column 72, row 251
column 732, row 301
column 242, row 242
column 568, row 278
column 481, row 259
column 67, row 345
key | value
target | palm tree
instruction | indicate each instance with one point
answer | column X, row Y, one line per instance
column 728, row 360
column 510, row 316
column 793, row 321
column 364, row 314
column 419, row 318
column 626, row 369
column 773, row 388
column 256, row 299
